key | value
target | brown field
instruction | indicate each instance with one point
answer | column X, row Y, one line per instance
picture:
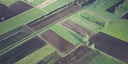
column 110, row 45
column 20, row 7
column 125, row 16
column 22, row 51
column 77, row 28
column 5, row 12
column 53, row 18
column 58, row 42
column 74, row 56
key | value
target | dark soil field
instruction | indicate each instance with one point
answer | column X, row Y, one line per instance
column 58, row 42
column 112, row 9
column 22, row 51
column 74, row 56
column 125, row 16
column 13, row 36
column 110, row 45
column 20, row 7
column 89, row 58
column 53, row 18
column 76, row 28
column 5, row 12
column 51, row 59
column 87, row 3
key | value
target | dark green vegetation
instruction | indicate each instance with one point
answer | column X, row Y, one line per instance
column 70, row 22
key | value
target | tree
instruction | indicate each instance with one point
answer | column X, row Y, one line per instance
column 93, row 46
column 106, row 24
column 85, row 37
column 3, row 18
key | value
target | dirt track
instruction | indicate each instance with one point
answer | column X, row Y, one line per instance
column 58, row 42
column 110, row 45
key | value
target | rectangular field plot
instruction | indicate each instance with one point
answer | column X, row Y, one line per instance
column 53, row 18
column 22, row 51
column 74, row 56
column 111, row 46
column 51, row 59
column 20, row 7
column 76, row 28
column 58, row 42
column 5, row 13
column 14, row 36
column 20, row 20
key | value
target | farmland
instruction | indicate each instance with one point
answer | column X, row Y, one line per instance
column 63, row 32
column 23, row 7
column 114, row 47
column 57, row 41
column 25, row 49
column 21, row 19
column 14, row 36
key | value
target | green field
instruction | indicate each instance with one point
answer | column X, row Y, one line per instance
column 36, row 2
column 56, row 5
column 105, row 4
column 106, row 60
column 21, row 19
column 8, row 2
column 37, row 56
column 118, row 29
column 122, row 9
column 66, row 34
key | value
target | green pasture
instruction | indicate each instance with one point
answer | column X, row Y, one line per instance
column 105, row 4
column 20, row 19
column 67, row 34
column 106, row 60
column 118, row 30
column 123, row 9
column 77, row 18
column 36, row 2
column 8, row 2
column 56, row 5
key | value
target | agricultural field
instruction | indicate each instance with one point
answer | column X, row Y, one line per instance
column 58, row 42
column 63, row 32
column 20, row 20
